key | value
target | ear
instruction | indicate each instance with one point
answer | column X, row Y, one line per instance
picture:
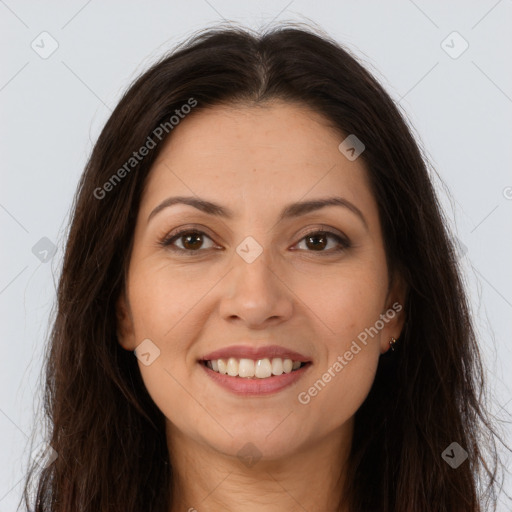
column 125, row 327
column 394, row 311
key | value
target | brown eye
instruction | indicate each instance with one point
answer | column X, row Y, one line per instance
column 191, row 241
column 317, row 241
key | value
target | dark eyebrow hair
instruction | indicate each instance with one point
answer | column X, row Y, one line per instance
column 289, row 211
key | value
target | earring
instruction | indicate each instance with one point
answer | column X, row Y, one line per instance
column 392, row 343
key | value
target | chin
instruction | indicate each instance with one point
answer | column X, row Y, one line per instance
column 251, row 445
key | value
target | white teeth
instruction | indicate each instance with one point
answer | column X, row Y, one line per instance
column 223, row 366
column 261, row 369
column 277, row 366
column 246, row 368
column 232, row 367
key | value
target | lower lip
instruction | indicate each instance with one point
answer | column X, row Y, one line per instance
column 256, row 387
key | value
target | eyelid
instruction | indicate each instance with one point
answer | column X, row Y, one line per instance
column 325, row 229
column 343, row 241
column 167, row 240
column 175, row 234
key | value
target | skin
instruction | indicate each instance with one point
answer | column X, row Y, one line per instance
column 255, row 160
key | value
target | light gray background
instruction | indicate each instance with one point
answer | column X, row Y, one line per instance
column 53, row 110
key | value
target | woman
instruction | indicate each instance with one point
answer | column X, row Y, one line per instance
column 260, row 306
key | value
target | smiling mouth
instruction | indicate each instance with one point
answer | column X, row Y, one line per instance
column 254, row 369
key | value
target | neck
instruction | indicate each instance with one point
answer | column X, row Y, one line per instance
column 207, row 480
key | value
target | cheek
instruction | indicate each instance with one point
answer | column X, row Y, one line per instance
column 342, row 392
column 162, row 301
column 168, row 388
column 346, row 300
column 165, row 307
column 349, row 303
column 342, row 380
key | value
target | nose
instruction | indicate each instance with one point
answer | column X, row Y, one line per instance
column 255, row 294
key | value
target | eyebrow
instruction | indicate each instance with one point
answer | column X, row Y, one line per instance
column 289, row 211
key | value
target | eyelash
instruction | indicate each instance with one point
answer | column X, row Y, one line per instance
column 169, row 240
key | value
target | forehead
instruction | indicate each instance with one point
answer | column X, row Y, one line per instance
column 275, row 153
column 275, row 131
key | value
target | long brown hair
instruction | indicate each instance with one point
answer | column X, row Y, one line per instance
column 106, row 430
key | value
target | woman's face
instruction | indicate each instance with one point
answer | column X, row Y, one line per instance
column 249, row 279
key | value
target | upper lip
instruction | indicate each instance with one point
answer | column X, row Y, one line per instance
column 255, row 353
